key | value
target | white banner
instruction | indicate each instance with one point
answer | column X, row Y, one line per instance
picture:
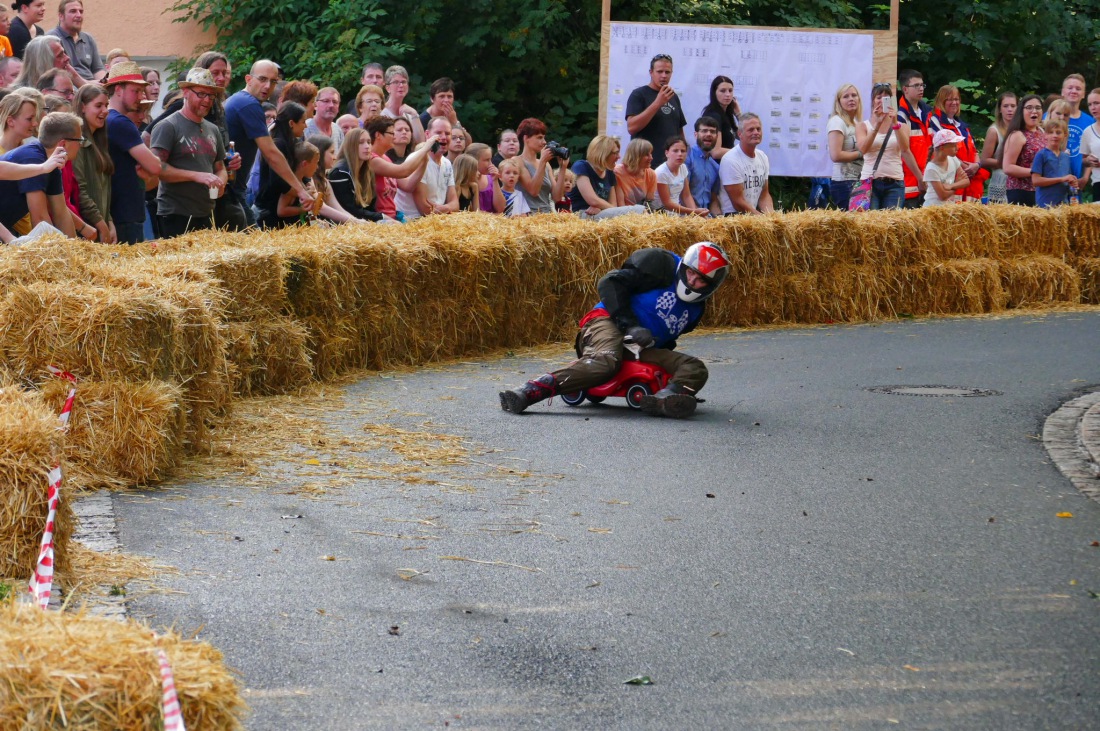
column 787, row 77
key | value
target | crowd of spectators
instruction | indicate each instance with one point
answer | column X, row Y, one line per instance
column 905, row 136
column 82, row 155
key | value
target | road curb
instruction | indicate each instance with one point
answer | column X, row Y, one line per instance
column 1071, row 436
column 97, row 530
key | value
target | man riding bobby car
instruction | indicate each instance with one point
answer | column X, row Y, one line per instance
column 653, row 299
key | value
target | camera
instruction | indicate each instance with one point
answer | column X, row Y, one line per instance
column 557, row 150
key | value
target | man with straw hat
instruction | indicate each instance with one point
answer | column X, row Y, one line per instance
column 193, row 153
column 135, row 164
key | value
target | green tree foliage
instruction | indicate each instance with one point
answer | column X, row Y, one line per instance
column 518, row 58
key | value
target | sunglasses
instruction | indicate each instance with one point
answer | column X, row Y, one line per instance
column 881, row 87
column 660, row 57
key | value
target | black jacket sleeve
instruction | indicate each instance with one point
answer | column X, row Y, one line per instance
column 644, row 270
column 339, row 178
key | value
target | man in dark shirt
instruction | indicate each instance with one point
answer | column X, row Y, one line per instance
column 654, row 111
column 42, row 195
column 248, row 131
column 135, row 164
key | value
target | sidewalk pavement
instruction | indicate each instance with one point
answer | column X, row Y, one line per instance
column 1071, row 436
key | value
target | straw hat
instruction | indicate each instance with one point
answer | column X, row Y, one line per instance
column 200, row 78
column 125, row 72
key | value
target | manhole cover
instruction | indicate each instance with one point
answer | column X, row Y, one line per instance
column 934, row 391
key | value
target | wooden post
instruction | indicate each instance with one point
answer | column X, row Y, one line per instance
column 605, row 63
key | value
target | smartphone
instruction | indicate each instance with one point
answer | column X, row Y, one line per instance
column 435, row 146
column 887, row 103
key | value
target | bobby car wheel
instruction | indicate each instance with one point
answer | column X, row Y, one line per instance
column 573, row 399
column 635, row 394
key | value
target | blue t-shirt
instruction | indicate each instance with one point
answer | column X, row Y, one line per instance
column 127, row 189
column 244, row 116
column 1050, row 165
column 1077, row 128
column 602, row 187
column 13, row 193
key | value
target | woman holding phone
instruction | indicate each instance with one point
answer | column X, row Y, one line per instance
column 882, row 177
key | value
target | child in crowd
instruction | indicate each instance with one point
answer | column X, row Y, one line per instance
column 672, row 175
column 1090, row 144
column 289, row 211
column 515, row 204
column 565, row 205
column 326, row 158
column 490, row 199
column 944, row 173
column 1052, row 170
column 5, row 26
column 1059, row 111
column 466, row 182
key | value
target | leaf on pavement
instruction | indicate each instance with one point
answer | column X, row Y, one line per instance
column 639, row 680
column 1064, row 515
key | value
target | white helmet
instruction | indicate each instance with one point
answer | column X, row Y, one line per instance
column 709, row 261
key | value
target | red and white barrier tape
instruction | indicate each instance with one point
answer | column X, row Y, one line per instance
column 41, row 584
column 42, row 581
column 173, row 716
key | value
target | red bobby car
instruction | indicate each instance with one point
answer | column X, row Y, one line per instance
column 634, row 380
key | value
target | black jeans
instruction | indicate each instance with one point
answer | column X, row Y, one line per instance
column 177, row 224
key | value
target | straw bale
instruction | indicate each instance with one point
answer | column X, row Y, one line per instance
column 120, row 433
column 956, row 286
column 254, row 280
column 323, row 277
column 1083, row 225
column 78, row 671
column 270, row 356
column 956, row 231
column 30, row 446
column 1039, row 280
column 336, row 345
column 760, row 246
column 95, row 332
column 47, row 259
column 855, row 293
column 1030, row 231
column 1089, row 270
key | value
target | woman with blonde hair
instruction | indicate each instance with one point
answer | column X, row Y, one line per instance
column 841, row 136
column 595, row 195
column 365, row 180
column 635, row 180
column 18, row 120
column 466, row 182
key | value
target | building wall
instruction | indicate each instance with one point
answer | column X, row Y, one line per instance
column 143, row 28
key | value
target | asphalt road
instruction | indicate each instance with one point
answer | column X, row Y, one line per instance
column 803, row 553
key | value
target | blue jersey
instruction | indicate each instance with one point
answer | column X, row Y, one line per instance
column 663, row 313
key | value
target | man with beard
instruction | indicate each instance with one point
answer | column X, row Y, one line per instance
column 248, row 131
column 192, row 154
column 126, row 87
column 702, row 168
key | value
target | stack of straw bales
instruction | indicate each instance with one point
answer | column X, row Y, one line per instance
column 77, row 671
column 29, row 448
column 142, row 335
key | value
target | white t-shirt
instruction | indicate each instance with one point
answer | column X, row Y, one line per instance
column 844, row 170
column 1090, row 145
column 675, row 182
column 515, row 203
column 438, row 176
column 890, row 165
column 945, row 175
column 737, row 168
